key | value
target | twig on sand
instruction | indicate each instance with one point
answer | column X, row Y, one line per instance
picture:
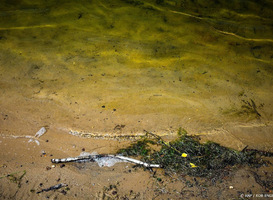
column 98, row 157
column 54, row 187
column 137, row 162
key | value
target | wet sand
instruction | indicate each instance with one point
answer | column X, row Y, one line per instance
column 121, row 181
column 123, row 68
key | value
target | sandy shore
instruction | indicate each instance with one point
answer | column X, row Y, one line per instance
column 30, row 171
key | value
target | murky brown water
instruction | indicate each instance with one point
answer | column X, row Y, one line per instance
column 93, row 65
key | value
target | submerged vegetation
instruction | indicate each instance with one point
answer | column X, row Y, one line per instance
column 187, row 155
column 16, row 177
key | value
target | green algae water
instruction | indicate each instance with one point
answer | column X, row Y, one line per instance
column 127, row 66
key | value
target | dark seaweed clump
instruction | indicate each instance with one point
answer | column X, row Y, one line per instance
column 187, row 155
column 139, row 148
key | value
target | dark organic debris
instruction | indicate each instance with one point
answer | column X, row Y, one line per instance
column 266, row 182
column 251, row 106
column 139, row 148
column 16, row 177
column 187, row 155
column 54, row 187
column 119, row 127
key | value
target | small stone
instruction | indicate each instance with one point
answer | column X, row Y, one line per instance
column 231, row 187
column 53, row 166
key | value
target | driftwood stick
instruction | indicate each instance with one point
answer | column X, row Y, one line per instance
column 138, row 162
column 92, row 158
column 86, row 158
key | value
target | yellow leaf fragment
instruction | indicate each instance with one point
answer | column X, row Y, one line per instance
column 184, row 155
column 193, row 165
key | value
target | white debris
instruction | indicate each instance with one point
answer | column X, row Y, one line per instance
column 40, row 132
column 108, row 161
column 37, row 142
column 137, row 161
column 103, row 160
column 37, row 135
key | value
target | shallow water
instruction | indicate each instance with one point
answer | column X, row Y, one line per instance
column 128, row 66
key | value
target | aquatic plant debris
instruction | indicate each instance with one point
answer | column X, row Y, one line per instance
column 187, row 155
column 16, row 177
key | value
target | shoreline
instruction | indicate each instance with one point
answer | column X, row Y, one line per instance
column 89, row 181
